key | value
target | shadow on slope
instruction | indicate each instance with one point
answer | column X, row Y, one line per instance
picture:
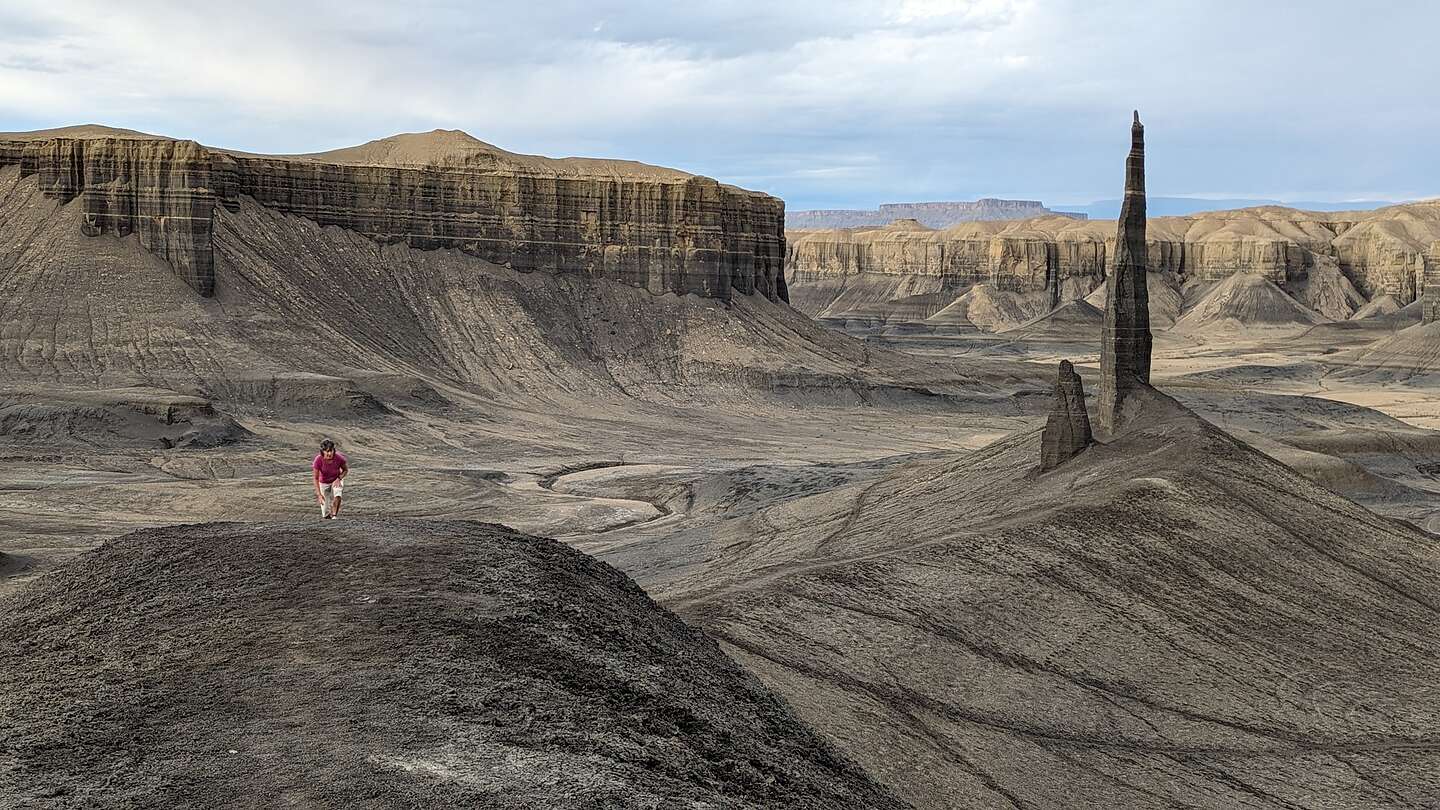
column 382, row 663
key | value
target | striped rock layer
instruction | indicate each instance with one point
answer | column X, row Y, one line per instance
column 660, row 229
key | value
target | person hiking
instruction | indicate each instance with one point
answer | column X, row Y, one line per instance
column 330, row 467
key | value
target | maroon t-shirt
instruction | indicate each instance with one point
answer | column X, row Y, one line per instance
column 330, row 468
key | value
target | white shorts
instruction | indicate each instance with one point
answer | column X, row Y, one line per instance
column 328, row 493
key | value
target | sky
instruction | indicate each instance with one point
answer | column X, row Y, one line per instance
column 833, row 104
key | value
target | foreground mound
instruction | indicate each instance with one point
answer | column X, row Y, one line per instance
column 1169, row 620
column 382, row 663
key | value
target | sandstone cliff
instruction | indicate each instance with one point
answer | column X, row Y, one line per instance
column 660, row 229
column 1380, row 252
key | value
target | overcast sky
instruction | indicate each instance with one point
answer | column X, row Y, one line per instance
column 827, row 104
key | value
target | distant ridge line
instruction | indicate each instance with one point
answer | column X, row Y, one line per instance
column 929, row 214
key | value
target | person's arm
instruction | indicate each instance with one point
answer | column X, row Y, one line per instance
column 344, row 468
column 319, row 496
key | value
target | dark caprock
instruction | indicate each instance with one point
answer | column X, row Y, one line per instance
column 1125, row 342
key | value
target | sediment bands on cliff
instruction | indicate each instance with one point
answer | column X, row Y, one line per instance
column 660, row 229
column 1382, row 252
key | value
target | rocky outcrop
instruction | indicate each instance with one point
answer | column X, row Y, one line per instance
column 1125, row 341
column 659, row 229
column 1377, row 252
column 164, row 191
column 932, row 214
column 1067, row 431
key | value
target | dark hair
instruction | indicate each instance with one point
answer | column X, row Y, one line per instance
column 327, row 444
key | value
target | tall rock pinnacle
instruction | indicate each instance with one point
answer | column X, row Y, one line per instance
column 1125, row 342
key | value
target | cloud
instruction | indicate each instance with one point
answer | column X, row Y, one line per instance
column 939, row 98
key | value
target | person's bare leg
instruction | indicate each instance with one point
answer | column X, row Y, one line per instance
column 335, row 510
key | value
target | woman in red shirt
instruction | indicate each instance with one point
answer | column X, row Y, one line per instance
column 330, row 468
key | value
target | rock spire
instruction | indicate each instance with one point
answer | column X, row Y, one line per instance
column 1067, row 431
column 1125, row 342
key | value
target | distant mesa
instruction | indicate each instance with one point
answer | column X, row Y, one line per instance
column 929, row 214
column 656, row 228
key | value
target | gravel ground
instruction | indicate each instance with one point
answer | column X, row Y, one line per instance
column 381, row 663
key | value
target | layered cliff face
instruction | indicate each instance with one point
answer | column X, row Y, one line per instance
column 660, row 229
column 328, row 320
column 163, row 190
column 1380, row 252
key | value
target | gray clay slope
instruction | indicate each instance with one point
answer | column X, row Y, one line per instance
column 374, row 663
column 1170, row 619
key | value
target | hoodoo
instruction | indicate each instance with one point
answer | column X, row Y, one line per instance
column 1125, row 341
column 1067, row 431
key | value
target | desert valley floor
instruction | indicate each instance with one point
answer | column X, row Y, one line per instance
column 848, row 527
